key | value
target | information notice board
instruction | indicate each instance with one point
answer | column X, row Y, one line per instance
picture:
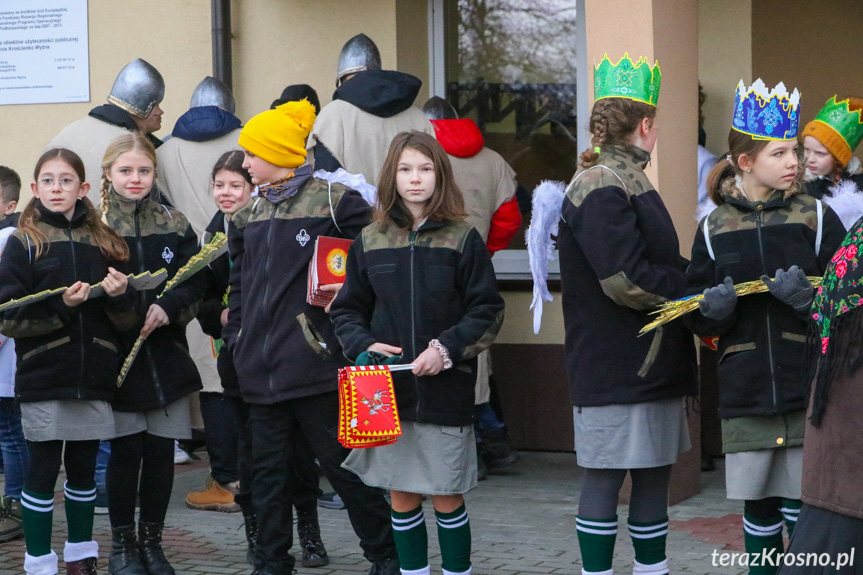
column 44, row 52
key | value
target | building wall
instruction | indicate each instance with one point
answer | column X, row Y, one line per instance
column 815, row 47
column 675, row 37
column 173, row 36
column 412, row 42
column 283, row 42
column 724, row 58
column 275, row 43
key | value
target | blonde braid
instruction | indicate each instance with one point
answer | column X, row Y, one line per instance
column 103, row 196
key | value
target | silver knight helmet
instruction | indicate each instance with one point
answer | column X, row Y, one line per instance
column 439, row 109
column 358, row 54
column 213, row 92
column 138, row 87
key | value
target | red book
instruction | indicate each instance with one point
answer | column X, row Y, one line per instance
column 368, row 415
column 328, row 266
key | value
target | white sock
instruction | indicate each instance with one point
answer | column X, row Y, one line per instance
column 660, row 568
column 78, row 551
column 41, row 565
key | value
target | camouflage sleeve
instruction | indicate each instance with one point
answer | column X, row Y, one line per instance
column 16, row 281
column 700, row 275
column 351, row 311
column 483, row 305
column 181, row 303
column 605, row 224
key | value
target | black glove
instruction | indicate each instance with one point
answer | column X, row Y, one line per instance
column 718, row 302
column 791, row 287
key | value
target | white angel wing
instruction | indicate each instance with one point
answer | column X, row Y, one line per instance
column 847, row 201
column 354, row 181
column 547, row 201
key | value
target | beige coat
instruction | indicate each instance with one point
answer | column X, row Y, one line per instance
column 486, row 181
column 89, row 138
column 184, row 175
column 360, row 140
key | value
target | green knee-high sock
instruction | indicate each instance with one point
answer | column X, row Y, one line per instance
column 596, row 539
column 648, row 540
column 759, row 537
column 453, row 531
column 79, row 503
column 37, row 511
column 791, row 510
column 411, row 537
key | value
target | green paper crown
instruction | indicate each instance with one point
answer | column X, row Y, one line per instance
column 848, row 123
column 635, row 81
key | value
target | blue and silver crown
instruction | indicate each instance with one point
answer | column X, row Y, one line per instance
column 766, row 115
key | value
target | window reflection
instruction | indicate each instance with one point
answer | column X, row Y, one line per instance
column 511, row 67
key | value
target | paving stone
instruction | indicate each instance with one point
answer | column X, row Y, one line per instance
column 523, row 522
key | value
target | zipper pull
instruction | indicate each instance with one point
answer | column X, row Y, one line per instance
column 413, row 239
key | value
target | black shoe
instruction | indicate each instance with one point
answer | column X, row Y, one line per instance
column 707, row 462
column 496, row 448
column 124, row 558
column 386, row 567
column 150, row 549
column 309, row 532
column 251, row 525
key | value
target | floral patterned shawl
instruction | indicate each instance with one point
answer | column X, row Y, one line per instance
column 840, row 335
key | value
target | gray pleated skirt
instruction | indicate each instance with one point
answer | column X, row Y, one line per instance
column 631, row 436
column 427, row 458
column 173, row 421
column 67, row 420
column 764, row 473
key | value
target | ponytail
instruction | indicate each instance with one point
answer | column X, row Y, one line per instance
column 721, row 171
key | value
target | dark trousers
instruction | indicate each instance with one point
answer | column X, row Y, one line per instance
column 220, row 434
column 273, row 430
column 305, row 482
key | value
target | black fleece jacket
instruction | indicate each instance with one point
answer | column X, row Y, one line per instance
column 218, row 275
column 158, row 237
column 283, row 347
column 620, row 259
column 762, row 344
column 63, row 352
column 407, row 288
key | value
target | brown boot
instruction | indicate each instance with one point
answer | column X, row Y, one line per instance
column 83, row 567
column 214, row 497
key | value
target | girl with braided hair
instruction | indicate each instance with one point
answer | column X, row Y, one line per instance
column 151, row 408
column 619, row 259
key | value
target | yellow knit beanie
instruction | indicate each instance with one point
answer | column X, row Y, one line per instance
column 830, row 137
column 279, row 136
